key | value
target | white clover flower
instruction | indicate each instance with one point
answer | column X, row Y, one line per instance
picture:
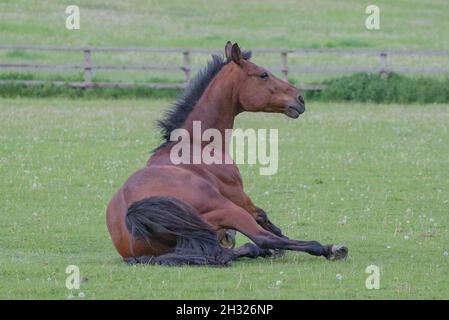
column 344, row 220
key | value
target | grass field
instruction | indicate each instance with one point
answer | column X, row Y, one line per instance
column 201, row 23
column 372, row 176
column 405, row 24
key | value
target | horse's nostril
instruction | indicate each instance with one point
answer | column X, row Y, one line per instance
column 301, row 99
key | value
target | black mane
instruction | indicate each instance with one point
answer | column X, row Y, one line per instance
column 176, row 115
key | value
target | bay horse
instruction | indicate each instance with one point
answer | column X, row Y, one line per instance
column 187, row 214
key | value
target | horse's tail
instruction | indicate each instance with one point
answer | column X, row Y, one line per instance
column 168, row 220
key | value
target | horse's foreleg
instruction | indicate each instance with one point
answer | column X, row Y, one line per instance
column 245, row 223
column 260, row 216
column 264, row 222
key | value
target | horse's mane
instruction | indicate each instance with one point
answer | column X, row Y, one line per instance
column 177, row 114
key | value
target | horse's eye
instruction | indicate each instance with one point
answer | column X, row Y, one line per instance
column 264, row 76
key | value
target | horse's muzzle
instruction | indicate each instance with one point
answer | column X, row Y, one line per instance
column 294, row 111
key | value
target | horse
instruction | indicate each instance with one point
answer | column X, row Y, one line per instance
column 188, row 214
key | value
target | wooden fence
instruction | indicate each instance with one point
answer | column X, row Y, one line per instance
column 285, row 68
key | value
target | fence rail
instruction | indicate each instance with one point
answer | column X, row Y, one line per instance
column 88, row 67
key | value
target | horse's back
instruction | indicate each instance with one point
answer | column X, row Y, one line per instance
column 173, row 181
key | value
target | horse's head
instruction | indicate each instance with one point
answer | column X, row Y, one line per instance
column 261, row 91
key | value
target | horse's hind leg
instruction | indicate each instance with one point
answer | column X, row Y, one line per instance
column 250, row 250
column 227, row 238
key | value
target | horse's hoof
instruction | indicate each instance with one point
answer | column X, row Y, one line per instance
column 338, row 252
column 277, row 254
column 228, row 239
column 265, row 253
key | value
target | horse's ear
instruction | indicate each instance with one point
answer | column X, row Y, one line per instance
column 228, row 50
column 236, row 54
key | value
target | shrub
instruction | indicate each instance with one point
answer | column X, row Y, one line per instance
column 387, row 88
column 363, row 87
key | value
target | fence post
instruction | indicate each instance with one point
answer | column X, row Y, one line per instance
column 383, row 64
column 284, row 59
column 87, row 69
column 186, row 66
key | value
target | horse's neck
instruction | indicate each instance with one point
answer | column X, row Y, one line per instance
column 217, row 107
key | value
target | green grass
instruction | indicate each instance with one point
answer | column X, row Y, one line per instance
column 198, row 23
column 384, row 167
column 410, row 24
